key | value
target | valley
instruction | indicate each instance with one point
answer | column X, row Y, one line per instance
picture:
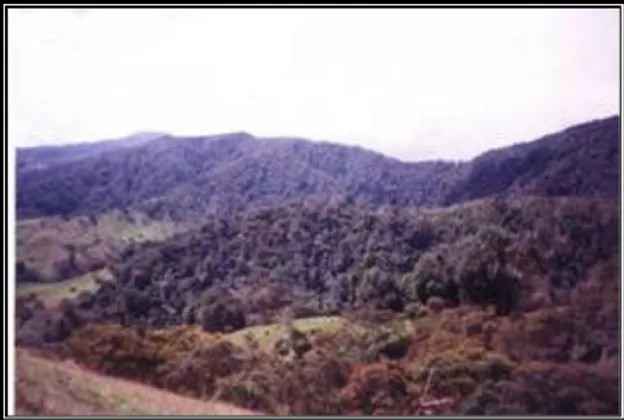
column 291, row 277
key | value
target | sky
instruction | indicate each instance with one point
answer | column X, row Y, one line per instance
column 410, row 83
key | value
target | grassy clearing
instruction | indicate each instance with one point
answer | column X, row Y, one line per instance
column 153, row 232
column 53, row 293
column 53, row 249
column 47, row 387
column 136, row 228
column 268, row 335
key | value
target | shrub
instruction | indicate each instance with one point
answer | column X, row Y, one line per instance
column 459, row 372
column 196, row 372
column 376, row 389
column 431, row 277
column 548, row 389
column 222, row 316
column 435, row 304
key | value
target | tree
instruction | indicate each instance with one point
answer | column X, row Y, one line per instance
column 483, row 274
column 221, row 314
column 433, row 275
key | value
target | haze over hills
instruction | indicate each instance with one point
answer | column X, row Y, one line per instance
column 186, row 178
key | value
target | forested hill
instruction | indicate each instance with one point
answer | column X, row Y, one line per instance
column 187, row 177
column 33, row 158
column 324, row 307
column 312, row 278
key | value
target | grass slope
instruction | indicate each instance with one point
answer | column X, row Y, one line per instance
column 54, row 249
column 52, row 293
column 47, row 387
column 267, row 335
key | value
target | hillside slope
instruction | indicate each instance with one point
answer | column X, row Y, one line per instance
column 185, row 178
column 323, row 279
column 53, row 249
column 329, row 307
column 583, row 160
column 56, row 388
column 323, row 257
column 41, row 157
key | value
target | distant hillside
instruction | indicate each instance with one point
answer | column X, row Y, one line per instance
column 53, row 249
column 45, row 156
column 187, row 177
column 328, row 256
column 583, row 160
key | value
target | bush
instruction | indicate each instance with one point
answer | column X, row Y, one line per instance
column 431, row 277
column 114, row 350
column 196, row 372
column 548, row 389
column 222, row 316
column 300, row 310
column 461, row 370
column 435, row 304
column 483, row 274
column 300, row 342
column 379, row 389
column 294, row 341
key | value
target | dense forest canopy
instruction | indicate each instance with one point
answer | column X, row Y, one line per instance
column 332, row 255
column 186, row 178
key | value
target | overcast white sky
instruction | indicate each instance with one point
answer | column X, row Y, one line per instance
column 411, row 83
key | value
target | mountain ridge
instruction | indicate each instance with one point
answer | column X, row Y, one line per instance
column 225, row 172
